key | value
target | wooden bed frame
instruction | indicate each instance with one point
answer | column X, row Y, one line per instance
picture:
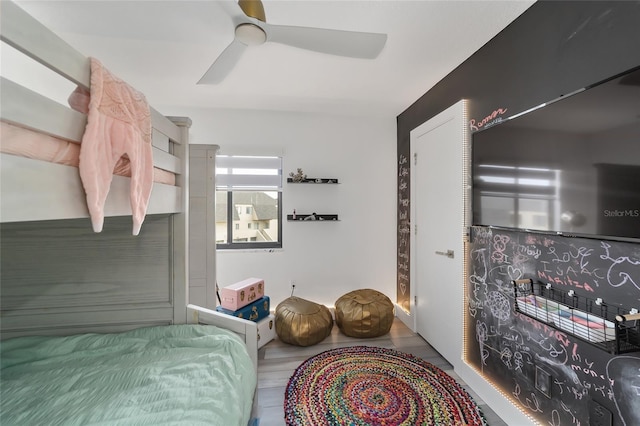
column 57, row 276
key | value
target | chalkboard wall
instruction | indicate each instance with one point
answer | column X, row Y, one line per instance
column 554, row 48
column 512, row 349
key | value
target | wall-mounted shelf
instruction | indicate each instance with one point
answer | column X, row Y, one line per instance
column 317, row 181
column 613, row 329
column 313, row 217
column 308, row 218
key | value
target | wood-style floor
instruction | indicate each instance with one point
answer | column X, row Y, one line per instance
column 278, row 360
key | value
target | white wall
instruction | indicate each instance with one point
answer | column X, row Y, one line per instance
column 326, row 259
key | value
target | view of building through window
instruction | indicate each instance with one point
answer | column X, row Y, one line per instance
column 255, row 216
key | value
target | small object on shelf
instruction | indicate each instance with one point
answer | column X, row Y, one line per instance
column 312, row 180
column 294, row 214
column 299, row 176
column 314, row 217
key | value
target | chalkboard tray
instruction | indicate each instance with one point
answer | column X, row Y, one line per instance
column 587, row 319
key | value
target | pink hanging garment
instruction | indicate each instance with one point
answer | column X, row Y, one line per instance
column 118, row 124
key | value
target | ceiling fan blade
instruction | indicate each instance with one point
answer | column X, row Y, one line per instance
column 334, row 42
column 224, row 63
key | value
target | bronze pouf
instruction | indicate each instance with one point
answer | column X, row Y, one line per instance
column 364, row 313
column 302, row 322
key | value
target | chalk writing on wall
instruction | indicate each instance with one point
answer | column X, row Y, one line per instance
column 512, row 349
column 494, row 118
column 404, row 234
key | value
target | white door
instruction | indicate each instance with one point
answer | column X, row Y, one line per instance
column 438, row 219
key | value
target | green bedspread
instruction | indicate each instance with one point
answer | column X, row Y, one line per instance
column 181, row 374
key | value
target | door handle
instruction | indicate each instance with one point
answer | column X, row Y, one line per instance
column 448, row 253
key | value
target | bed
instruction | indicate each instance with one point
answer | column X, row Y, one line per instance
column 62, row 282
column 181, row 374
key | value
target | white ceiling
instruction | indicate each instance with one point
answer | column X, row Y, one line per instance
column 163, row 48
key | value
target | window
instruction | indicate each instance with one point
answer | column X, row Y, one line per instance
column 248, row 202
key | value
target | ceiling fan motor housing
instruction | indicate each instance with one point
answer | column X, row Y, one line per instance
column 250, row 34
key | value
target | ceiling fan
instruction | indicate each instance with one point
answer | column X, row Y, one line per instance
column 251, row 29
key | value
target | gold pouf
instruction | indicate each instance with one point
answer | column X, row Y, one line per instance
column 364, row 313
column 302, row 322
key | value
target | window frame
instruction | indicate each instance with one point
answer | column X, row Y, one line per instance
column 245, row 173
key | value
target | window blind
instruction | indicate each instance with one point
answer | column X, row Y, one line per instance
column 249, row 173
column 517, row 180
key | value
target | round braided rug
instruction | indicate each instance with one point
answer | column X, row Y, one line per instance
column 363, row 385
